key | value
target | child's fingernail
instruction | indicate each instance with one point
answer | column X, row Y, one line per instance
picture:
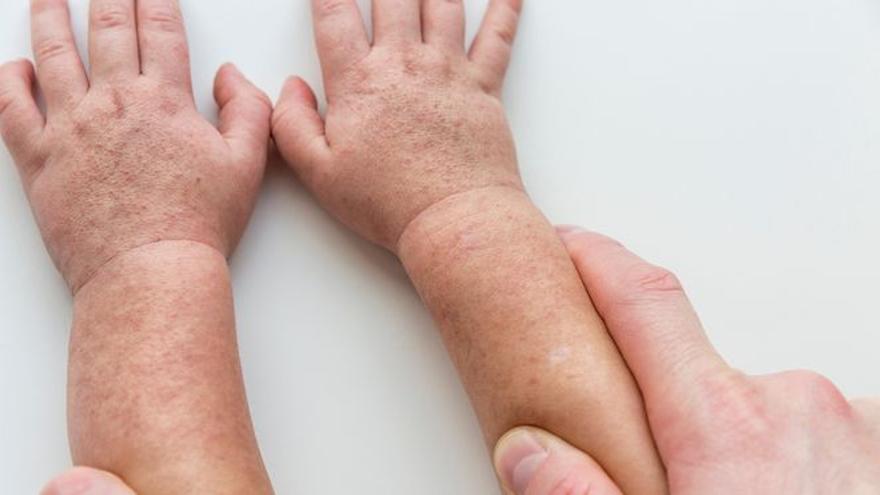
column 81, row 481
column 518, row 457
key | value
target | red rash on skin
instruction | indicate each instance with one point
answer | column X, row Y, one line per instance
column 415, row 153
column 155, row 384
column 140, row 201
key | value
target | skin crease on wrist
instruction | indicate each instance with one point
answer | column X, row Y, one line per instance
column 718, row 431
column 140, row 201
column 415, row 154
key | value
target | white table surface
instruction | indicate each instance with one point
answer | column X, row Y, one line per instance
column 735, row 141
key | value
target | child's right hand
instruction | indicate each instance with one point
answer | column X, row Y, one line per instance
column 412, row 119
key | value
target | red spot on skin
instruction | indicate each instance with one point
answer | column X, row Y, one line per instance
column 118, row 105
column 169, row 106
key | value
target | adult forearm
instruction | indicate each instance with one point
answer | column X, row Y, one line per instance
column 520, row 327
column 155, row 388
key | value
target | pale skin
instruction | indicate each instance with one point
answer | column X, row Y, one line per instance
column 415, row 154
column 718, row 430
column 140, row 202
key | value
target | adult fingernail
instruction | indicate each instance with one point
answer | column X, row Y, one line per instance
column 518, row 457
column 84, row 482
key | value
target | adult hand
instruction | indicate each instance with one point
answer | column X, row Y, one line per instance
column 122, row 158
column 415, row 154
column 718, row 431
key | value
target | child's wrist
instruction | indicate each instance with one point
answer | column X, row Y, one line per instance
column 464, row 223
column 165, row 262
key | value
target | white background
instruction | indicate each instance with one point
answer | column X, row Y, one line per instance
column 735, row 141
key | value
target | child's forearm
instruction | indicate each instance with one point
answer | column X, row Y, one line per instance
column 155, row 390
column 412, row 118
column 520, row 327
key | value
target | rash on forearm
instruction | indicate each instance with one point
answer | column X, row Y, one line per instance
column 520, row 328
column 156, row 394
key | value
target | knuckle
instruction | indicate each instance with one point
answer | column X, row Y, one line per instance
column 52, row 48
column 411, row 58
column 165, row 18
column 505, row 32
column 424, row 64
column 646, row 280
column 818, row 390
column 440, row 61
column 260, row 98
column 331, row 8
column 736, row 405
column 111, row 17
column 489, row 84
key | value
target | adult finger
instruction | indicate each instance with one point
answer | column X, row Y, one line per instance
column 86, row 481
column 493, row 46
column 113, row 44
column 340, row 35
column 59, row 69
column 164, row 52
column 530, row 461
column 650, row 318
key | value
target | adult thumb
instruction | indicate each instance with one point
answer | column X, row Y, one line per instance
column 530, row 461
column 86, row 481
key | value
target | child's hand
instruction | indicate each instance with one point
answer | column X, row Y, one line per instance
column 123, row 159
column 415, row 154
column 411, row 120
